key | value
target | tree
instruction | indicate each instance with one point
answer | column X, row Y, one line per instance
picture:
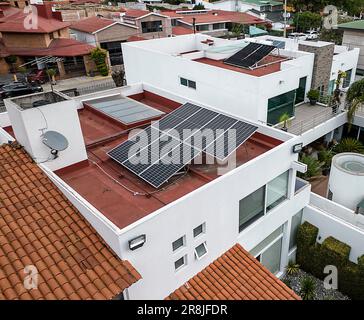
column 314, row 167
column 99, row 55
column 348, row 145
column 355, row 99
column 237, row 29
column 199, row 6
column 304, row 21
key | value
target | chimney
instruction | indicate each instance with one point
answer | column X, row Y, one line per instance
column 44, row 10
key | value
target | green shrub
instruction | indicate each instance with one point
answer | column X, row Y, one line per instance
column 292, row 268
column 314, row 257
column 99, row 55
column 348, row 145
column 314, row 167
column 308, row 288
column 313, row 94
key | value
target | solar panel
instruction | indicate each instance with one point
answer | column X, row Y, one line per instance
column 124, row 109
column 159, row 152
column 250, row 55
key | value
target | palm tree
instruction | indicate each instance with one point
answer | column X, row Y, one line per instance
column 314, row 167
column 348, row 145
column 355, row 99
column 285, row 118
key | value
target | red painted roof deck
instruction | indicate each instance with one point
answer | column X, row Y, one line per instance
column 112, row 189
column 268, row 65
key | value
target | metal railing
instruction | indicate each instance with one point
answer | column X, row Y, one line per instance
column 316, row 119
column 90, row 88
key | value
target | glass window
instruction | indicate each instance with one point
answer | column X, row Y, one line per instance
column 284, row 103
column 251, row 208
column 203, row 27
column 271, row 258
column 296, row 222
column 198, row 230
column 200, row 250
column 183, row 81
column 192, row 84
column 346, row 82
column 277, row 190
column 218, row 26
column 265, row 243
column 151, row 26
column 180, row 263
column 178, row 243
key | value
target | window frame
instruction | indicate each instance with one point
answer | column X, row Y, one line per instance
column 187, row 83
column 180, row 247
column 203, row 230
column 206, row 251
column 184, row 257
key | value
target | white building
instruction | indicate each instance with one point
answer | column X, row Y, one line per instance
column 254, row 200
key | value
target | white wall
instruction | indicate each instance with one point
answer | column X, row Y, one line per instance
column 217, row 205
column 330, row 224
column 29, row 124
column 84, row 37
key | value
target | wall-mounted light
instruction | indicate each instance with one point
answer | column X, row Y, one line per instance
column 137, row 242
column 297, row 147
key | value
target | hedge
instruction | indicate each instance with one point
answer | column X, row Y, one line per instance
column 313, row 257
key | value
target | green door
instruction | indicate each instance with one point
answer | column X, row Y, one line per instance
column 300, row 94
column 278, row 105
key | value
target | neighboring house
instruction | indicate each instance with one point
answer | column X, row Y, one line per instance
column 105, row 33
column 150, row 24
column 49, row 37
column 354, row 37
column 271, row 11
column 41, row 231
column 212, row 22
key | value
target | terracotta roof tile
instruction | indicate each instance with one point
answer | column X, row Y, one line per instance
column 236, row 275
column 48, row 232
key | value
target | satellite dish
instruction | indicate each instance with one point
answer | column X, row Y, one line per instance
column 55, row 141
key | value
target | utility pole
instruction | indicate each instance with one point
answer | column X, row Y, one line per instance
column 285, row 19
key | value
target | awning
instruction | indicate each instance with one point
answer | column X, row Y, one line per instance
column 254, row 31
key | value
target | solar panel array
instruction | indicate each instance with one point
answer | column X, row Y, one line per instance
column 250, row 55
column 164, row 148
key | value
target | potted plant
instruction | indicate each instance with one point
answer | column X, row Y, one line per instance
column 313, row 95
column 325, row 156
column 52, row 74
column 285, row 119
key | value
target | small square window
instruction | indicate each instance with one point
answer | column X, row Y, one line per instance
column 180, row 263
column 200, row 250
column 184, row 82
column 192, row 84
column 199, row 230
column 180, row 242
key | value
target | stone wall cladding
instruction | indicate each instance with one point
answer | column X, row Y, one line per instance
column 322, row 64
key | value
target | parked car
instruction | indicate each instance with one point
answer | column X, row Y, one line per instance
column 297, row 35
column 37, row 76
column 15, row 89
column 312, row 35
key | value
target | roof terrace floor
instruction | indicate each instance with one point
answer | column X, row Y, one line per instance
column 120, row 195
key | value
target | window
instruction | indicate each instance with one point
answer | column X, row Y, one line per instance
column 278, row 105
column 180, row 242
column 258, row 203
column 296, row 222
column 178, row 264
column 51, row 36
column 277, row 190
column 268, row 252
column 199, row 230
column 152, row 26
column 346, row 82
column 188, row 83
column 200, row 250
column 251, row 208
column 59, row 33
column 203, row 27
column 218, row 26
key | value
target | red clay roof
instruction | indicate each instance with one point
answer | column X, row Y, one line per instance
column 135, row 38
column 40, row 227
column 177, row 31
column 215, row 16
column 136, row 13
column 61, row 47
column 15, row 23
column 91, row 24
column 236, row 275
